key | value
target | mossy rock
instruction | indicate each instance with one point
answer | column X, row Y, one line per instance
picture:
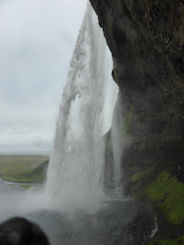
column 141, row 175
column 179, row 241
column 127, row 123
column 167, row 193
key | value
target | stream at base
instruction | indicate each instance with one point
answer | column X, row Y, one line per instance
column 118, row 223
column 124, row 222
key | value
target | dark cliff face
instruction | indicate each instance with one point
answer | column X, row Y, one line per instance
column 146, row 39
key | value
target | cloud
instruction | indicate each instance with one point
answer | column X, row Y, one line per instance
column 36, row 45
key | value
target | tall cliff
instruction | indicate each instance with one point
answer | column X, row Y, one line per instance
column 146, row 39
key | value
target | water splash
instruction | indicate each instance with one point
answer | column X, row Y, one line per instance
column 76, row 172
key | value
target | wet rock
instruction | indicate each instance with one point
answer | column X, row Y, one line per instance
column 146, row 39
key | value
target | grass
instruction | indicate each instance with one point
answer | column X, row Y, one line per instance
column 23, row 168
column 168, row 195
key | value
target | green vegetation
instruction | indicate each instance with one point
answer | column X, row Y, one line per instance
column 23, row 168
column 179, row 241
column 127, row 123
column 168, row 195
column 140, row 175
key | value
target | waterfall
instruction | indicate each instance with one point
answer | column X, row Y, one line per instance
column 76, row 169
column 116, row 137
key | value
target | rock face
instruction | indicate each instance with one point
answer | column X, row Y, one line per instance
column 146, row 39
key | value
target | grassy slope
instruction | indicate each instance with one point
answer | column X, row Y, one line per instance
column 23, row 168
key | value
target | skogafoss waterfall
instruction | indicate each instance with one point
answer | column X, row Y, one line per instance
column 76, row 171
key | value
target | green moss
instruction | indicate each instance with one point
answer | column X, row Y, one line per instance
column 127, row 123
column 178, row 241
column 141, row 175
column 168, row 195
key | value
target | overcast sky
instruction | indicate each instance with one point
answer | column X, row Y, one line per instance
column 37, row 38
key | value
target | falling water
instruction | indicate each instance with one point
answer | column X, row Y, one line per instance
column 116, row 137
column 76, row 172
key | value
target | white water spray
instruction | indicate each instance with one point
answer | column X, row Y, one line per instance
column 76, row 172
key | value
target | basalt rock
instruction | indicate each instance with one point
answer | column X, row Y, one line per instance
column 146, row 39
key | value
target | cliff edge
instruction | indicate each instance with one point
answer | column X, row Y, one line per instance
column 146, row 39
